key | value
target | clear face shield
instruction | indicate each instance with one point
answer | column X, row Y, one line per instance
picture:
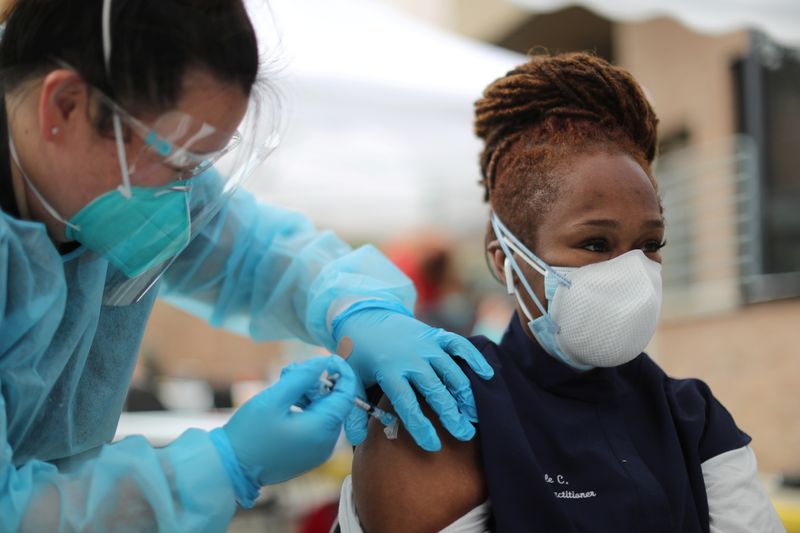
column 182, row 173
column 177, row 172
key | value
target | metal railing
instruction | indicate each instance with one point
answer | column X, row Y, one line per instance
column 712, row 209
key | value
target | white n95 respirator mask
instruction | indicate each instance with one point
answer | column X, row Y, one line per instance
column 598, row 315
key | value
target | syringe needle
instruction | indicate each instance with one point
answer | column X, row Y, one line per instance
column 387, row 419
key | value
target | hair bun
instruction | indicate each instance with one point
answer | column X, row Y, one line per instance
column 570, row 86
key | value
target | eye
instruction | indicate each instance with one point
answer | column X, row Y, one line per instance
column 181, row 173
column 596, row 246
column 651, row 247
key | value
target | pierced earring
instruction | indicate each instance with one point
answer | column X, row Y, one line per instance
column 54, row 131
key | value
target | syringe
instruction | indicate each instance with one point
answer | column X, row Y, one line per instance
column 387, row 419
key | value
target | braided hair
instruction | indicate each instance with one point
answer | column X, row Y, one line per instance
column 546, row 110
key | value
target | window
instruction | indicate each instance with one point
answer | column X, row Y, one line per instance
column 768, row 97
column 708, row 198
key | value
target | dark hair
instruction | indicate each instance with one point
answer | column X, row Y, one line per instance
column 154, row 44
column 552, row 107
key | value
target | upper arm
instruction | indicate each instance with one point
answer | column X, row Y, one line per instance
column 397, row 486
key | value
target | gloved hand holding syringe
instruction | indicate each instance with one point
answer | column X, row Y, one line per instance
column 390, row 422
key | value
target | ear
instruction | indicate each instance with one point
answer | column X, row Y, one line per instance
column 62, row 103
column 502, row 265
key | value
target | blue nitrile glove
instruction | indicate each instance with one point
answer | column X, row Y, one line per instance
column 267, row 442
column 401, row 354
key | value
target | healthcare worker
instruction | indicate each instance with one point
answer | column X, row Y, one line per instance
column 127, row 129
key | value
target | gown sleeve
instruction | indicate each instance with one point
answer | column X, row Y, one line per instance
column 266, row 272
column 129, row 485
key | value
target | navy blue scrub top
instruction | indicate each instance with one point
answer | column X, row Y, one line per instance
column 608, row 450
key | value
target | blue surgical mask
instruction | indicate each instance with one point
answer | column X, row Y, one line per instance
column 136, row 233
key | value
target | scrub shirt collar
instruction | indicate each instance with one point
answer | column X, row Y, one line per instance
column 595, row 385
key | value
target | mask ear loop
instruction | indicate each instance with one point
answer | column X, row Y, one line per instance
column 529, row 257
column 533, row 264
column 509, row 275
column 49, row 208
column 125, row 188
column 524, row 307
column 510, row 258
column 488, row 259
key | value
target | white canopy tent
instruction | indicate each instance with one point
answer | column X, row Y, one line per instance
column 378, row 118
column 780, row 19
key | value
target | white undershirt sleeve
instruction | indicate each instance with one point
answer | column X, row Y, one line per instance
column 737, row 500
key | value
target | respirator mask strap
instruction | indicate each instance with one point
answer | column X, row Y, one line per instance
column 510, row 244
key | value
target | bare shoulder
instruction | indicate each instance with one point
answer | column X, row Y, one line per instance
column 398, row 487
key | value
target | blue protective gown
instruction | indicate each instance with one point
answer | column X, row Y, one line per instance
column 66, row 362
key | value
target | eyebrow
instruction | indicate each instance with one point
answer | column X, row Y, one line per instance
column 206, row 155
column 655, row 223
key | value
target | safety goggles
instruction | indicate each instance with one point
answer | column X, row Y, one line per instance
column 168, row 148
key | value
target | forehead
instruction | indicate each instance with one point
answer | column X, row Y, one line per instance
column 207, row 98
column 206, row 115
column 603, row 185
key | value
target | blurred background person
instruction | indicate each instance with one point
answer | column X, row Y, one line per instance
column 444, row 299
